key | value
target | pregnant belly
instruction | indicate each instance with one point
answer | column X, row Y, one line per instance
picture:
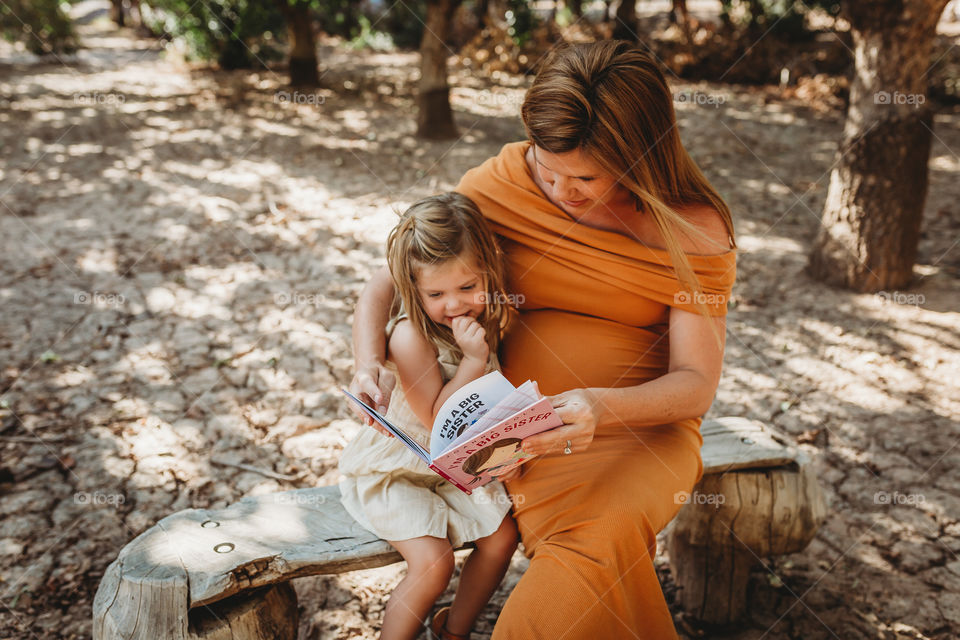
column 562, row 351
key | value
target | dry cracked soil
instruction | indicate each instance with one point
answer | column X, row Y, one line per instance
column 181, row 250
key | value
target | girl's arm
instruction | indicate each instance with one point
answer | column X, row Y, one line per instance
column 471, row 337
column 372, row 382
column 419, row 371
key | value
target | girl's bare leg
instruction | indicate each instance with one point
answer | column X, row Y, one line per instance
column 481, row 575
column 430, row 564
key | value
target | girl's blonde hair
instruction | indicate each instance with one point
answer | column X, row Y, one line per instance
column 610, row 100
column 445, row 227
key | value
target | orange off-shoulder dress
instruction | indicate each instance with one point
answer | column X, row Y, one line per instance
column 594, row 308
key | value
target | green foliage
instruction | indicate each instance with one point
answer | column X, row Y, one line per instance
column 42, row 25
column 521, row 21
column 785, row 18
column 565, row 16
column 236, row 33
column 339, row 17
column 369, row 38
column 404, row 21
column 377, row 24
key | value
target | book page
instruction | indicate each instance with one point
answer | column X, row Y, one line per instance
column 523, row 396
column 464, row 407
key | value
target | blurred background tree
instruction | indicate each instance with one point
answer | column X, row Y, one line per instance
column 303, row 46
column 785, row 18
column 871, row 222
column 872, row 218
column 434, row 115
column 625, row 21
column 41, row 25
column 238, row 34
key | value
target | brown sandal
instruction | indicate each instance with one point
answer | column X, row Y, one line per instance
column 438, row 627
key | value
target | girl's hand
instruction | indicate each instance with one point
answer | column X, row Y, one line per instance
column 471, row 337
column 578, row 409
column 373, row 384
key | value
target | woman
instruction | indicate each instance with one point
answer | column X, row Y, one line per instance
column 623, row 256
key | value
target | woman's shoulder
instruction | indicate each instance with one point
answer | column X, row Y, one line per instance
column 713, row 237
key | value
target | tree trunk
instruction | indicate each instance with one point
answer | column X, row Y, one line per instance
column 576, row 7
column 758, row 18
column 871, row 219
column 435, row 117
column 267, row 613
column 116, row 12
column 679, row 13
column 136, row 16
column 625, row 24
column 303, row 49
column 481, row 9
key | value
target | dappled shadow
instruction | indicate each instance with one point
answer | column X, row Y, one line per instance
column 183, row 249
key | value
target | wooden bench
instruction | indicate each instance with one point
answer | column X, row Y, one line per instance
column 201, row 574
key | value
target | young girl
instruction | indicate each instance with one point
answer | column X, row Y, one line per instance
column 443, row 334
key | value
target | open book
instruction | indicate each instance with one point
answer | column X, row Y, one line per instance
column 476, row 435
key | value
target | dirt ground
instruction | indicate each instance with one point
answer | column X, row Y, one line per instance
column 181, row 250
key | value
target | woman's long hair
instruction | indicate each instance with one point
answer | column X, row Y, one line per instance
column 610, row 100
column 434, row 230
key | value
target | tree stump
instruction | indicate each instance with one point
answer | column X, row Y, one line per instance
column 268, row 612
column 163, row 580
column 738, row 516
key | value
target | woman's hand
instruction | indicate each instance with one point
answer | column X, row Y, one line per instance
column 373, row 384
column 471, row 337
column 579, row 411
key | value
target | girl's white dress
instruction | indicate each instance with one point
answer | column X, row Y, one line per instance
column 391, row 492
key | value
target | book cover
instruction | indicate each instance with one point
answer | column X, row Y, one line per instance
column 477, row 432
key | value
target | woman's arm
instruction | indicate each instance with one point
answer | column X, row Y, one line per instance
column 685, row 391
column 372, row 382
